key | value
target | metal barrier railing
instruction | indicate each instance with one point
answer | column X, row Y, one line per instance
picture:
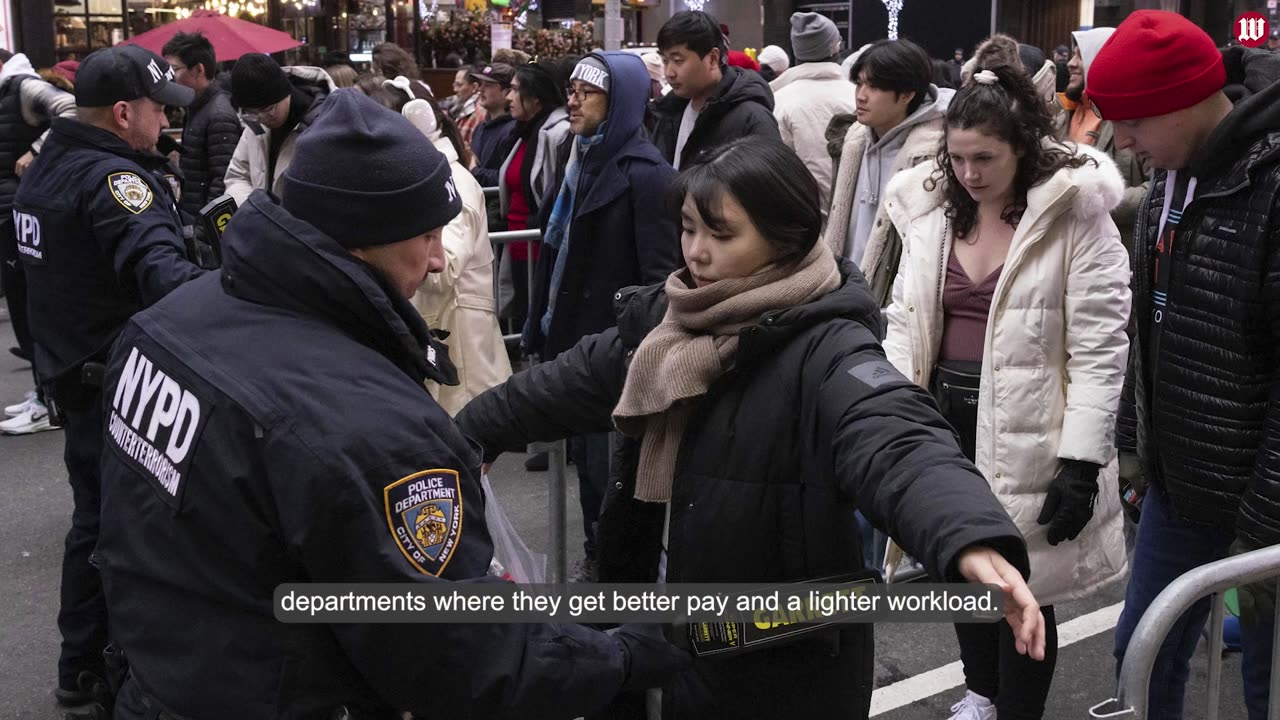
column 1212, row 579
column 557, row 533
column 490, row 192
column 506, row 237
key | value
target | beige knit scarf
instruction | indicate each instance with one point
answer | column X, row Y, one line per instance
column 693, row 345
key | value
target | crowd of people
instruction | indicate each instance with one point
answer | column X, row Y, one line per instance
column 1009, row 319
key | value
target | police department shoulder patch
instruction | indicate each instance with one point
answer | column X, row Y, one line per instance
column 131, row 191
column 424, row 513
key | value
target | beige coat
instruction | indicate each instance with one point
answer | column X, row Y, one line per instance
column 248, row 168
column 460, row 299
column 1053, row 359
column 805, row 98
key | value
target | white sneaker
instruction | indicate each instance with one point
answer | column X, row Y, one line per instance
column 15, row 410
column 34, row 420
column 973, row 707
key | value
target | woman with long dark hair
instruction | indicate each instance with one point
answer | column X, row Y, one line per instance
column 758, row 414
column 1010, row 305
column 542, row 122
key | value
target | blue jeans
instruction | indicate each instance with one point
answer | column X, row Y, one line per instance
column 1167, row 547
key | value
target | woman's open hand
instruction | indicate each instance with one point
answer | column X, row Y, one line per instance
column 983, row 565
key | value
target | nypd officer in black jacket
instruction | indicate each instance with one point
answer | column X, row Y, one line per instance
column 269, row 424
column 100, row 239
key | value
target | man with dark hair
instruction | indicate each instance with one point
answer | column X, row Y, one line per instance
column 710, row 101
column 810, row 93
column 492, row 138
column 28, row 106
column 1077, row 121
column 278, row 104
column 100, row 239
column 212, row 129
column 899, row 125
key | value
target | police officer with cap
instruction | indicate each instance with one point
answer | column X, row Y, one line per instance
column 100, row 238
column 269, row 423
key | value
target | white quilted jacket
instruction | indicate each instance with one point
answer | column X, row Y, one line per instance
column 1054, row 358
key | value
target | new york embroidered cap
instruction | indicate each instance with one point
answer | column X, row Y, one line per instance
column 127, row 72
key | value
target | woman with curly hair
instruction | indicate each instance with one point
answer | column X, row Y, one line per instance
column 1010, row 306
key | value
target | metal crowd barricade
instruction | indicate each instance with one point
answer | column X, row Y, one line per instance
column 1210, row 580
column 557, row 534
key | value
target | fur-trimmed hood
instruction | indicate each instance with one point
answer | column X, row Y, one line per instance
column 1086, row 191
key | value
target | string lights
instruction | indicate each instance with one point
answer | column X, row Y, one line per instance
column 894, row 7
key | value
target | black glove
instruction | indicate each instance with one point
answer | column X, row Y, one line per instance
column 651, row 659
column 1069, row 504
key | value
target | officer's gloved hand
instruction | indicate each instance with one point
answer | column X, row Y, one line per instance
column 1069, row 504
column 651, row 659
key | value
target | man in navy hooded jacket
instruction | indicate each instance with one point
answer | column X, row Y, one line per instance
column 608, row 228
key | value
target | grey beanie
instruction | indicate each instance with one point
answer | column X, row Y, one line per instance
column 592, row 71
column 813, row 37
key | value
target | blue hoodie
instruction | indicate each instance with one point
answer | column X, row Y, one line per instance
column 622, row 231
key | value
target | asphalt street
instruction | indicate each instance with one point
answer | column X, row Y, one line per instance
column 916, row 674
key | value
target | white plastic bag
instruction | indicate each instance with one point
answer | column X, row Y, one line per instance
column 512, row 559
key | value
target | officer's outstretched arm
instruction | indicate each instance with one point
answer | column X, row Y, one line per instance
column 390, row 525
column 893, row 452
column 140, row 234
column 571, row 395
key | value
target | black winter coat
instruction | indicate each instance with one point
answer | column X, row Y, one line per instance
column 622, row 232
column 1205, row 420
column 742, row 106
column 292, row 440
column 811, row 425
column 209, row 139
column 100, row 239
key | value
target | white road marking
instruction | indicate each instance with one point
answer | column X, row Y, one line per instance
column 925, row 685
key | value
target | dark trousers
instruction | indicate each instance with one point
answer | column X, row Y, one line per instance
column 1167, row 547
column 590, row 454
column 82, row 617
column 14, row 281
column 993, row 668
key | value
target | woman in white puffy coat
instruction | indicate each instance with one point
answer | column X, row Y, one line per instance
column 1010, row 306
column 459, row 299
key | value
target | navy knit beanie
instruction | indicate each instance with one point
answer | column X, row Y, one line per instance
column 365, row 176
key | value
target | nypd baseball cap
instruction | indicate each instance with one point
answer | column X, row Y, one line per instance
column 127, row 72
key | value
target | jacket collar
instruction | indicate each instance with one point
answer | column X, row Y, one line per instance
column 272, row 258
column 826, row 71
column 736, row 86
column 74, row 132
column 1248, row 134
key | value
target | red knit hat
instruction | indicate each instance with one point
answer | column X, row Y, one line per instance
column 1155, row 63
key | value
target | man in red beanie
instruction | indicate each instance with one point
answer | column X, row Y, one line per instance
column 1200, row 418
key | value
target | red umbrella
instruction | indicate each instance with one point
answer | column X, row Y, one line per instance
column 231, row 37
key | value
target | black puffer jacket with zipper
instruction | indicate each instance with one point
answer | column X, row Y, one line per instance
column 1205, row 419
column 810, row 425
column 209, row 139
